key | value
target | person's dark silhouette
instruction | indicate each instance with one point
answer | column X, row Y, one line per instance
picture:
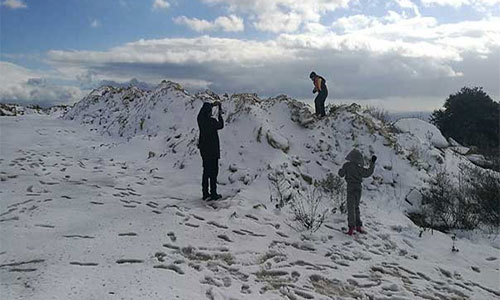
column 209, row 148
column 320, row 88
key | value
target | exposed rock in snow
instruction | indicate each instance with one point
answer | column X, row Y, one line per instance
column 479, row 160
column 300, row 113
column 277, row 141
column 20, row 110
column 414, row 198
column 7, row 110
column 424, row 131
column 455, row 146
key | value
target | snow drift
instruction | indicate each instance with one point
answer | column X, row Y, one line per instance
column 113, row 207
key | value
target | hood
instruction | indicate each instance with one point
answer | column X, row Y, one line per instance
column 356, row 157
column 205, row 111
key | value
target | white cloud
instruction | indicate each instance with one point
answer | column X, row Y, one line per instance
column 194, row 23
column 355, row 23
column 229, row 23
column 25, row 86
column 14, row 4
column 410, row 5
column 282, row 15
column 160, row 4
column 95, row 23
column 198, row 50
column 459, row 3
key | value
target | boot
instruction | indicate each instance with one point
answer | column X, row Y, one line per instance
column 351, row 231
column 206, row 196
column 215, row 196
column 360, row 229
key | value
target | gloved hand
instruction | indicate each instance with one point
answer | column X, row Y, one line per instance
column 314, row 90
column 219, row 108
column 374, row 158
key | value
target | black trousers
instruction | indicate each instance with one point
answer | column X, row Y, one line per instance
column 210, row 172
column 319, row 103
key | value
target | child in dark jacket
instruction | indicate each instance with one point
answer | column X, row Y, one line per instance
column 354, row 172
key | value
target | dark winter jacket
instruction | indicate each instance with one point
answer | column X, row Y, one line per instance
column 209, row 138
column 353, row 169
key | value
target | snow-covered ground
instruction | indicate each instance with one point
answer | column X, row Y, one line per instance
column 111, row 209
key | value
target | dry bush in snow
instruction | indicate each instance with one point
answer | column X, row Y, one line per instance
column 309, row 209
column 334, row 187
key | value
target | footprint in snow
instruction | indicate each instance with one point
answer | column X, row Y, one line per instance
column 83, row 264
column 213, row 223
column 127, row 234
column 22, row 270
column 191, row 225
column 45, row 225
column 78, row 236
column 171, row 267
column 224, row 238
column 129, row 261
column 282, row 234
column 198, row 217
column 172, row 236
column 252, row 233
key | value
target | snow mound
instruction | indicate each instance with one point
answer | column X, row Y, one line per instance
column 426, row 132
column 262, row 135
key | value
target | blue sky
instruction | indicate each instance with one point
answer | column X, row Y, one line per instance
column 399, row 54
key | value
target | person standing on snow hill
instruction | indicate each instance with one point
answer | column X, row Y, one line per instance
column 354, row 172
column 320, row 88
column 208, row 144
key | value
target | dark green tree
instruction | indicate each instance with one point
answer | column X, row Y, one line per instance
column 470, row 117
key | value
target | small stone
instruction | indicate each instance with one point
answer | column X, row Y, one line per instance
column 393, row 287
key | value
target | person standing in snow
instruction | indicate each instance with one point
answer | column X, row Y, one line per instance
column 320, row 88
column 354, row 172
column 209, row 148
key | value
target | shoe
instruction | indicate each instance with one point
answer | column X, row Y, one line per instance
column 215, row 197
column 206, row 196
column 351, row 231
column 360, row 229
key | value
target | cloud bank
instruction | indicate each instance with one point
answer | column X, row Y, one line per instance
column 24, row 86
column 227, row 24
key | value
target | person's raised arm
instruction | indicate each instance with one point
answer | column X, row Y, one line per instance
column 220, row 122
column 369, row 171
column 342, row 171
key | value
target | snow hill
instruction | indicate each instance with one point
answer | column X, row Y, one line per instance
column 112, row 208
